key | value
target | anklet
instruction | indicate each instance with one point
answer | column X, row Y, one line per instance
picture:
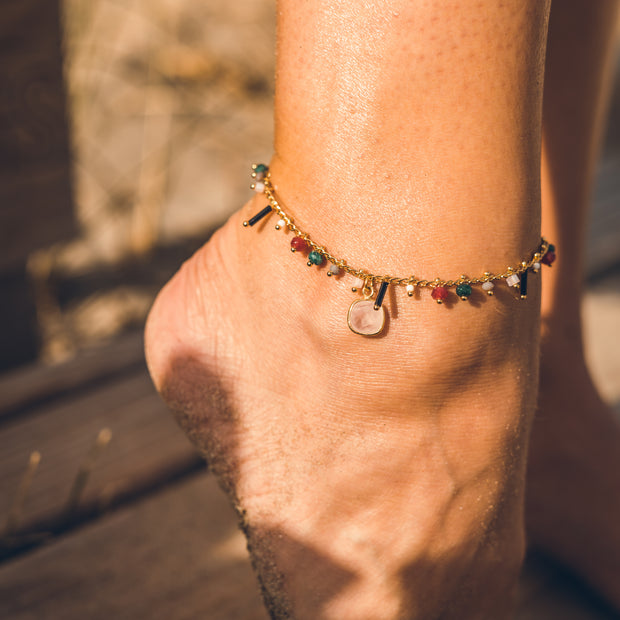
column 367, row 316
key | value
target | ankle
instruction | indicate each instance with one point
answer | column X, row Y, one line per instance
column 330, row 440
column 394, row 222
column 456, row 364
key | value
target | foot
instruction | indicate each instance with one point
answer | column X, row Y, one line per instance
column 573, row 498
column 375, row 478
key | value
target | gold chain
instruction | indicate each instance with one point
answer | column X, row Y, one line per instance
column 367, row 277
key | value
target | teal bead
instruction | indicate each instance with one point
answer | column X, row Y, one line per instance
column 551, row 248
column 463, row 290
column 316, row 258
column 261, row 168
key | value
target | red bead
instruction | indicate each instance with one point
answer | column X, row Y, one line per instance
column 548, row 258
column 439, row 294
column 298, row 244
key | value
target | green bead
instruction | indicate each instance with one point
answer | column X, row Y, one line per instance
column 316, row 258
column 463, row 290
column 551, row 247
column 261, row 168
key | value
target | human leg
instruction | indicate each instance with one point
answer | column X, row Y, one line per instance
column 574, row 470
column 376, row 478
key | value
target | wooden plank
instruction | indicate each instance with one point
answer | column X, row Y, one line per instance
column 35, row 188
column 22, row 389
column 19, row 340
column 177, row 555
column 146, row 447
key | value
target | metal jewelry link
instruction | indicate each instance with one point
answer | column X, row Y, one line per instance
column 366, row 277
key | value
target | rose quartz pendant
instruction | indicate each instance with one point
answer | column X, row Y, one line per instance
column 363, row 319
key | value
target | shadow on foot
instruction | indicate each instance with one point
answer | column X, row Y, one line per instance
column 202, row 407
column 296, row 579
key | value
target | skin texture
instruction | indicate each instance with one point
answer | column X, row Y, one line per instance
column 386, row 120
column 376, row 478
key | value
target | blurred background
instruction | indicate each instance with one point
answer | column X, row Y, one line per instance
column 127, row 128
column 123, row 151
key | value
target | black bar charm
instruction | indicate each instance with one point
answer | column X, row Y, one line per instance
column 381, row 295
column 258, row 217
column 523, row 287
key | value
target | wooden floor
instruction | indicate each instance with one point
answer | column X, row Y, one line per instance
column 151, row 535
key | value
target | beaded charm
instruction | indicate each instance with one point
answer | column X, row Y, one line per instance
column 315, row 258
column 463, row 291
column 439, row 294
column 259, row 171
column 512, row 280
column 488, row 287
column 298, row 244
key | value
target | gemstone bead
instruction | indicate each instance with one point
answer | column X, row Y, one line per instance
column 298, row 244
column 488, row 287
column 439, row 294
column 536, row 266
column 551, row 248
column 463, row 291
column 260, row 170
column 548, row 258
column 258, row 187
column 357, row 283
column 333, row 270
column 315, row 258
column 512, row 280
column 410, row 288
column 280, row 224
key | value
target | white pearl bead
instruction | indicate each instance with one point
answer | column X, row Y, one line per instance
column 488, row 286
column 358, row 283
column 281, row 223
column 259, row 187
column 513, row 280
column 536, row 266
column 334, row 269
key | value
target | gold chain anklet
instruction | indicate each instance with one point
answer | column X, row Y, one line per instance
column 367, row 316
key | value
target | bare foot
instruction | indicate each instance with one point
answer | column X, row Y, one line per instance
column 573, row 498
column 375, row 478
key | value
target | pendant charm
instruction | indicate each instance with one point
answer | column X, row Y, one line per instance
column 366, row 317
column 363, row 319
